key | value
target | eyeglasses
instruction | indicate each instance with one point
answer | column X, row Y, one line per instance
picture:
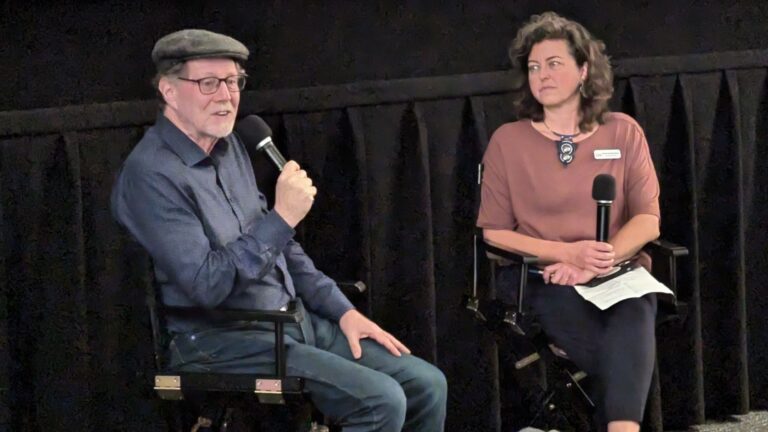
column 210, row 85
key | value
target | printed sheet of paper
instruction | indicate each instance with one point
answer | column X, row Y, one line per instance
column 632, row 284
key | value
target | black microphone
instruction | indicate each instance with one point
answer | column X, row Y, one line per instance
column 253, row 129
column 604, row 192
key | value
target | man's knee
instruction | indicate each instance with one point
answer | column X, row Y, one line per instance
column 389, row 405
column 430, row 382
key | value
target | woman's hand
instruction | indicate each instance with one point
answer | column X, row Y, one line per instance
column 566, row 274
column 593, row 256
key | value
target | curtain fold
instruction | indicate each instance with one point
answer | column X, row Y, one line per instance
column 654, row 103
column 47, row 302
column 362, row 198
column 402, row 282
column 739, row 355
column 5, row 359
column 115, row 281
column 714, row 223
column 751, row 131
column 322, row 143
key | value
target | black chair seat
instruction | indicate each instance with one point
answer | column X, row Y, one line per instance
column 563, row 401
column 212, row 394
column 173, row 385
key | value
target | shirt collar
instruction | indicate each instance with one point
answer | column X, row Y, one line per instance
column 179, row 142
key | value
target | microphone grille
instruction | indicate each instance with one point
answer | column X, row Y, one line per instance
column 604, row 188
column 253, row 129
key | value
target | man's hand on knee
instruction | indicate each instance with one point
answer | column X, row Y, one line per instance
column 356, row 326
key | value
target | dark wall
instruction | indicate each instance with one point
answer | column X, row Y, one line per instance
column 68, row 53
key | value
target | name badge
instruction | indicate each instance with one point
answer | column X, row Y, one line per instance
column 608, row 154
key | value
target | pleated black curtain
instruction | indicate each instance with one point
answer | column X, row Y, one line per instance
column 395, row 163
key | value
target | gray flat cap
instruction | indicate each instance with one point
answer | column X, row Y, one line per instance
column 192, row 44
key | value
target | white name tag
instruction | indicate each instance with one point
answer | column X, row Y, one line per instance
column 608, row 154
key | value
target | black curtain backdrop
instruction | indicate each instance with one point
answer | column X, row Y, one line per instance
column 68, row 52
column 395, row 165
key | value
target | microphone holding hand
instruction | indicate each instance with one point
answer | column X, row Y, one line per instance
column 294, row 192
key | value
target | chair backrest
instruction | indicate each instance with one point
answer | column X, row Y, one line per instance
column 488, row 309
column 159, row 336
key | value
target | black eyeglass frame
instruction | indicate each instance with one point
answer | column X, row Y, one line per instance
column 241, row 80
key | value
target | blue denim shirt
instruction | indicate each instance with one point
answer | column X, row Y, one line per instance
column 212, row 238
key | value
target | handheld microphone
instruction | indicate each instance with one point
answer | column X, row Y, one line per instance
column 253, row 129
column 604, row 192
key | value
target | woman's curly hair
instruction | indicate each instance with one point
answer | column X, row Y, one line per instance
column 597, row 87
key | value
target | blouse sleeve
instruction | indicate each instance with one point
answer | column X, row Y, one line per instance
column 496, row 210
column 641, row 184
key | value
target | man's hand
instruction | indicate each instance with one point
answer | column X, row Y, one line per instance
column 590, row 255
column 294, row 194
column 356, row 326
column 566, row 274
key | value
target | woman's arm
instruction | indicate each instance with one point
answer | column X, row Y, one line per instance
column 626, row 243
column 546, row 250
column 638, row 231
column 597, row 257
column 641, row 191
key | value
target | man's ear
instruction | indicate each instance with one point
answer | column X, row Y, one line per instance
column 168, row 91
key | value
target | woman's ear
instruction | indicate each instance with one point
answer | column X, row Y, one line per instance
column 584, row 71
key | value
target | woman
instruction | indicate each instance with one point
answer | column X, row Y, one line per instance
column 536, row 199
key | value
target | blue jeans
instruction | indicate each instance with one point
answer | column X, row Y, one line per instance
column 378, row 392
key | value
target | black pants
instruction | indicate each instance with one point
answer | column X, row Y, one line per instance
column 616, row 347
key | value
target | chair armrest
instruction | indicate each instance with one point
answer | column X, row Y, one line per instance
column 665, row 248
column 279, row 318
column 664, row 255
column 523, row 260
column 355, row 291
column 515, row 257
column 290, row 315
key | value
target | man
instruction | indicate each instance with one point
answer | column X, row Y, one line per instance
column 187, row 193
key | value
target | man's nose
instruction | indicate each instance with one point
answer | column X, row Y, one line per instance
column 223, row 93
